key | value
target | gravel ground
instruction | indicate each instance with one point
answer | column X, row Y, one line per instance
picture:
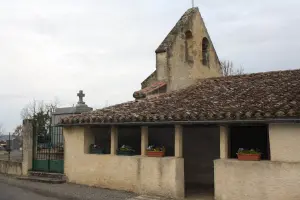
column 66, row 191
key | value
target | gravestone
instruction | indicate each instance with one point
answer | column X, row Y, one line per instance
column 67, row 111
column 56, row 134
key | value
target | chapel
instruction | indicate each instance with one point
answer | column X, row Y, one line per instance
column 184, row 56
column 201, row 121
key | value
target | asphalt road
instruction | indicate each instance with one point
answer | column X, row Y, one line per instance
column 15, row 155
column 9, row 192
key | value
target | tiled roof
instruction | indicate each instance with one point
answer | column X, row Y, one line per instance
column 270, row 95
column 184, row 20
column 147, row 90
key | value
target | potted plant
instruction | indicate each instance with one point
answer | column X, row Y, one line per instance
column 156, row 151
column 96, row 149
column 245, row 154
column 126, row 150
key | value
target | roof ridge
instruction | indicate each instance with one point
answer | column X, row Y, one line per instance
column 248, row 74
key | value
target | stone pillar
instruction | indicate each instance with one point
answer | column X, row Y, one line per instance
column 89, row 138
column 224, row 142
column 28, row 136
column 144, row 144
column 114, row 140
column 178, row 141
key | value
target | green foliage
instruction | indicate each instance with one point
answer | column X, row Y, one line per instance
column 156, row 148
column 126, row 148
column 40, row 113
column 246, row 151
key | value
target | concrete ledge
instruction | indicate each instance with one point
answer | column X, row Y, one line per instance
column 249, row 180
column 10, row 167
column 139, row 174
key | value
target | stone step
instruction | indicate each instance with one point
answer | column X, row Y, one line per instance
column 42, row 179
column 47, row 175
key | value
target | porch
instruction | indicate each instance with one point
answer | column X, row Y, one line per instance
column 185, row 171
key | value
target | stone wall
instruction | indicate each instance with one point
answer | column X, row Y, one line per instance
column 144, row 175
column 185, row 72
column 284, row 142
column 10, row 167
column 162, row 66
column 251, row 180
column 149, row 80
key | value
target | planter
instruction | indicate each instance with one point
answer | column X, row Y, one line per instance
column 125, row 153
column 96, row 151
column 249, row 157
column 155, row 153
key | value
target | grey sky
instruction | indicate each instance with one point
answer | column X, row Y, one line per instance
column 54, row 48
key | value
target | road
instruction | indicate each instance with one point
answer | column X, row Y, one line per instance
column 9, row 192
column 14, row 189
column 15, row 155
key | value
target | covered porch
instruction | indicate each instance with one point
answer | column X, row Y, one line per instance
column 186, row 170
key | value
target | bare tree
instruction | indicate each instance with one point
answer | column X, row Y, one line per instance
column 41, row 114
column 17, row 134
column 228, row 68
column 1, row 130
column 34, row 107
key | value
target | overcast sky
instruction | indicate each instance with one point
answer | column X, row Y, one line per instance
column 54, row 48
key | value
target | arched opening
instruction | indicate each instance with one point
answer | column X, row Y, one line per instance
column 188, row 35
column 205, row 51
column 189, row 46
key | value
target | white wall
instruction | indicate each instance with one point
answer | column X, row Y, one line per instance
column 285, row 142
column 256, row 180
column 144, row 175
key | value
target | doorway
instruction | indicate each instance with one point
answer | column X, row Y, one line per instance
column 201, row 146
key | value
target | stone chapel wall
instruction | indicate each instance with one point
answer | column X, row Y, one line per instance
column 185, row 70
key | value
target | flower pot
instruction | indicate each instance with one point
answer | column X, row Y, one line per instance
column 249, row 157
column 96, row 151
column 155, row 153
column 125, row 153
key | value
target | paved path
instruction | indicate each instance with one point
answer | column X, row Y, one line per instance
column 14, row 193
column 13, row 189
column 43, row 191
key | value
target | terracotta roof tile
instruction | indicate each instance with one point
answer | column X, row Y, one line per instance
column 269, row 95
column 147, row 90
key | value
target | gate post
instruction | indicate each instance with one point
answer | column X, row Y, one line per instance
column 27, row 148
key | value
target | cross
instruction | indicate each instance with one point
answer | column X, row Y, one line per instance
column 80, row 95
column 193, row 3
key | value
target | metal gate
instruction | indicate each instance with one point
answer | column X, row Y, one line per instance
column 48, row 155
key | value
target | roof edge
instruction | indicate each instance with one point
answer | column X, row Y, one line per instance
column 209, row 122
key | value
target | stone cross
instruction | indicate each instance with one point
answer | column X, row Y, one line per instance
column 81, row 95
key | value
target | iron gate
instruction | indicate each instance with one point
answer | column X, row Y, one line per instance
column 48, row 149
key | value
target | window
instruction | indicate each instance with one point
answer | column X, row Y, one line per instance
column 249, row 137
column 130, row 136
column 102, row 141
column 205, row 51
column 189, row 47
column 163, row 136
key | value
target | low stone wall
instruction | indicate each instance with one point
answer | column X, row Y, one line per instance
column 10, row 167
column 254, row 180
column 139, row 174
column 143, row 175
